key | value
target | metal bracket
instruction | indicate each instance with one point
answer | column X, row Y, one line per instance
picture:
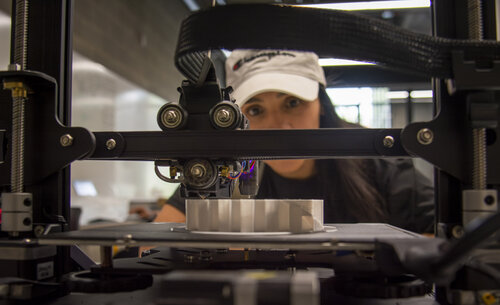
column 17, row 212
column 468, row 75
column 49, row 145
column 478, row 204
column 482, row 109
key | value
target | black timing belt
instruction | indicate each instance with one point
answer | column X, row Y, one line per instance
column 329, row 33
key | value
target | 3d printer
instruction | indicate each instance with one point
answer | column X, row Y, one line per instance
column 370, row 262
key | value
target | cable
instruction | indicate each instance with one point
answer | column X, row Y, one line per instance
column 164, row 178
column 457, row 252
column 251, row 165
column 243, row 164
column 329, row 33
column 484, row 268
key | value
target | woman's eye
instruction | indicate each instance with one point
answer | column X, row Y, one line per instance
column 293, row 102
column 253, row 111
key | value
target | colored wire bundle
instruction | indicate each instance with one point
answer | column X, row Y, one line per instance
column 251, row 164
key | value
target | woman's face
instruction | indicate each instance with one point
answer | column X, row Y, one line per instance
column 275, row 110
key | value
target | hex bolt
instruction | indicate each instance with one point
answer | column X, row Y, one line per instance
column 425, row 136
column 457, row 231
column 224, row 117
column 110, row 144
column 489, row 200
column 171, row 117
column 388, row 141
column 38, row 230
column 27, row 202
column 66, row 140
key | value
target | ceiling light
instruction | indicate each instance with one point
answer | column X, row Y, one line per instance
column 373, row 5
column 392, row 95
column 421, row 94
column 341, row 62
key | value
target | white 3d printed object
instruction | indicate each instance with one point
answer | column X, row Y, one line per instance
column 259, row 215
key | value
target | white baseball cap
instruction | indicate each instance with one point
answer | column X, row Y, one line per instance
column 251, row 72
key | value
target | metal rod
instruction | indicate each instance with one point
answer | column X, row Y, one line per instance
column 21, row 33
column 20, row 55
column 17, row 166
column 475, row 19
column 497, row 18
column 479, row 172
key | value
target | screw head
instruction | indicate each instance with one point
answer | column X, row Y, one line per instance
column 489, row 200
column 66, row 140
column 27, row 221
column 388, row 141
column 110, row 144
column 224, row 116
column 171, row 117
column 39, row 230
column 457, row 231
column 425, row 136
column 27, row 202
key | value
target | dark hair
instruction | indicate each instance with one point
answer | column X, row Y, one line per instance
column 348, row 185
column 354, row 178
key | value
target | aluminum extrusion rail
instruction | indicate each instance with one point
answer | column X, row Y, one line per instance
column 249, row 144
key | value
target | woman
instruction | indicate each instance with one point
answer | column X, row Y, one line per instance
column 279, row 89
